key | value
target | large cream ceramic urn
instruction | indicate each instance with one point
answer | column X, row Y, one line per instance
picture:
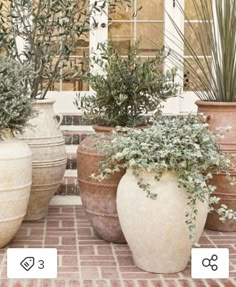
column 155, row 230
column 15, row 184
column 49, row 157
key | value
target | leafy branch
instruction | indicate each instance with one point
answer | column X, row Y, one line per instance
column 127, row 86
column 52, row 31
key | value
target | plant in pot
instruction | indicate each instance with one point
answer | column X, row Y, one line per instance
column 15, row 155
column 126, row 89
column 213, row 80
column 50, row 31
column 164, row 197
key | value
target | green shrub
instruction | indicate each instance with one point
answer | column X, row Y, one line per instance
column 52, row 31
column 126, row 88
column 15, row 104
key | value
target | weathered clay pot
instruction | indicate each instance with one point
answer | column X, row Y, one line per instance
column 155, row 230
column 98, row 198
column 221, row 114
column 15, row 183
column 49, row 158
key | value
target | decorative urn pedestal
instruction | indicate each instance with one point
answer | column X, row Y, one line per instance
column 15, row 183
column 98, row 198
column 49, row 157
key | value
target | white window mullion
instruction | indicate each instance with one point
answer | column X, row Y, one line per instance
column 21, row 11
column 135, row 20
column 98, row 33
column 173, row 42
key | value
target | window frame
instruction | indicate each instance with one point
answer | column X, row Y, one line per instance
column 183, row 104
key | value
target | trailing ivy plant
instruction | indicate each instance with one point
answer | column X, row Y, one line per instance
column 52, row 30
column 180, row 144
column 126, row 87
column 15, row 104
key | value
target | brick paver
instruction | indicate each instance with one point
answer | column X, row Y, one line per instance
column 85, row 260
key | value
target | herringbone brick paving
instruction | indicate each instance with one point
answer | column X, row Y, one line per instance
column 85, row 260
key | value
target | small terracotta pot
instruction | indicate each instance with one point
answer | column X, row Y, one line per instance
column 98, row 198
column 221, row 114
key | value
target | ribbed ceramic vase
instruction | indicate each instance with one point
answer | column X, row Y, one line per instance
column 49, row 157
column 155, row 230
column 15, row 184
column 98, row 198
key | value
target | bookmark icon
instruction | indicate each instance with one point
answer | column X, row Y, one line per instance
column 27, row 263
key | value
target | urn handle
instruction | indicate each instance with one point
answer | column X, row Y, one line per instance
column 59, row 119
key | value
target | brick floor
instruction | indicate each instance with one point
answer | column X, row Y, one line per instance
column 85, row 260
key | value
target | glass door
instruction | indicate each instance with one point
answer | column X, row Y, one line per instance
column 152, row 25
column 144, row 21
column 191, row 26
column 64, row 91
column 146, row 24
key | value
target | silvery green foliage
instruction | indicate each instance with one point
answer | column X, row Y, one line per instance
column 15, row 104
column 225, row 213
column 180, row 144
column 127, row 87
column 52, row 31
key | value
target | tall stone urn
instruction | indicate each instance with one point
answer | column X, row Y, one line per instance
column 155, row 230
column 98, row 198
column 15, row 183
column 221, row 115
column 49, row 157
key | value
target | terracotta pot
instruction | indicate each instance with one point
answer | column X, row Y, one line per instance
column 221, row 114
column 15, row 183
column 98, row 198
column 49, row 157
column 155, row 230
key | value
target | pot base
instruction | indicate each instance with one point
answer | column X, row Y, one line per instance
column 158, row 268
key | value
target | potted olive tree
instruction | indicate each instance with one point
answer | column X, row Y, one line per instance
column 164, row 197
column 126, row 89
column 213, row 79
column 15, row 155
column 50, row 32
